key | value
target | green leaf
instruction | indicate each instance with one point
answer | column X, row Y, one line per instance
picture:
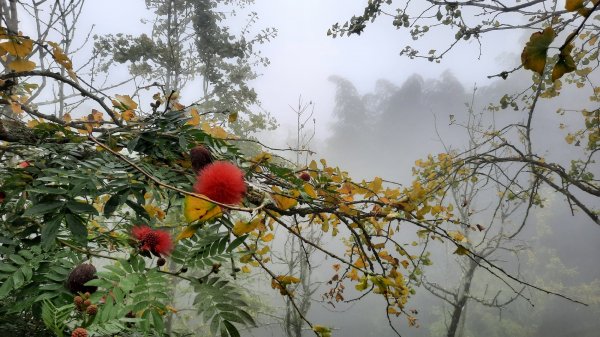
column 18, row 279
column 6, row 287
column 233, row 331
column 235, row 243
column 76, row 226
column 157, row 321
column 7, row 268
column 43, row 208
column 81, row 208
column 139, row 210
column 17, row 259
column 214, row 325
column 112, row 204
column 50, row 230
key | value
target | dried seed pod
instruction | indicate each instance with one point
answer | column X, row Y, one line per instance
column 79, row 276
column 200, row 157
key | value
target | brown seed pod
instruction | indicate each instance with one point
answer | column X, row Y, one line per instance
column 92, row 310
column 79, row 332
column 305, row 176
column 200, row 157
column 79, row 276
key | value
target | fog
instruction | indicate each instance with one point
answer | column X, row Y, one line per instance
column 376, row 113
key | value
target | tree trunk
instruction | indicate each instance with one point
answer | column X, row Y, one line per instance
column 461, row 305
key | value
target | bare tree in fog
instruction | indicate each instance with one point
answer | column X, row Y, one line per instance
column 296, row 255
column 492, row 237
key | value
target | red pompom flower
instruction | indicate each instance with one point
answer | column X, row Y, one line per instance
column 222, row 182
column 153, row 240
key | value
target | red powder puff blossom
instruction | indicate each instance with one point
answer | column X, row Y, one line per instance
column 153, row 240
column 222, row 182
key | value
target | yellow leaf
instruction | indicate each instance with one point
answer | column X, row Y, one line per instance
column 195, row 120
column 176, row 105
column 16, row 107
column 457, row 236
column 18, row 47
column 188, row 232
column 535, row 52
column 215, row 131
column 269, row 237
column 375, row 185
column 32, row 123
column 155, row 212
column 20, row 64
column 362, row 285
column 284, row 202
column 573, row 5
column 565, row 63
column 287, row 279
column 353, row 275
column 67, row 118
column 127, row 115
column 199, row 209
column 570, row 138
column 60, row 56
column 232, row 117
column 461, row 251
column 73, row 75
column 310, row 190
column 243, row 227
column 95, row 116
column 126, row 101
column 245, row 269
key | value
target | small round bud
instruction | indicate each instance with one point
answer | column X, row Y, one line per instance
column 184, row 269
column 161, row 262
column 87, row 303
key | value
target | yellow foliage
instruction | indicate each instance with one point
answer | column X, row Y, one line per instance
column 214, row 130
column 18, row 47
column 535, row 52
column 285, row 202
column 243, row 227
column 124, row 102
column 20, row 64
column 195, row 120
column 199, row 209
column 267, row 238
column 310, row 190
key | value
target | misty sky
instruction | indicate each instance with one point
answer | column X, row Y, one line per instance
column 303, row 56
